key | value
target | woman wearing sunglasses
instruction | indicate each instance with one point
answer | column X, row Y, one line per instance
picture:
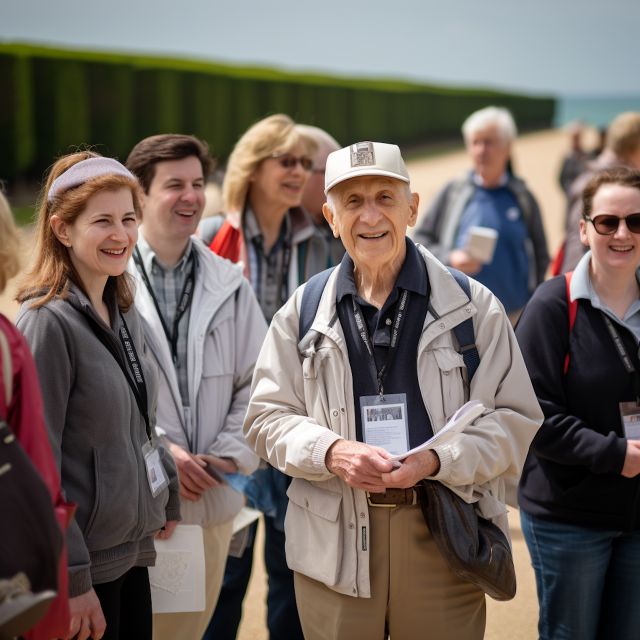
column 580, row 489
column 265, row 227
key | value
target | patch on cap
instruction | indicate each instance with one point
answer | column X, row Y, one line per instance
column 362, row 154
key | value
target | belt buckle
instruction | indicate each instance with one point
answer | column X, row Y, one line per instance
column 379, row 504
column 414, row 499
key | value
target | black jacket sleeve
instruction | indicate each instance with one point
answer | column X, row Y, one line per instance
column 543, row 336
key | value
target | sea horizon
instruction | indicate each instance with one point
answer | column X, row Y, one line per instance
column 593, row 110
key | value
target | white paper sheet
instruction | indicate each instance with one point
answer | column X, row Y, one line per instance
column 177, row 580
column 465, row 415
column 244, row 518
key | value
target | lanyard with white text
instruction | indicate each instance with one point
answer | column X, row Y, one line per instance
column 624, row 356
column 137, row 383
column 398, row 320
column 183, row 303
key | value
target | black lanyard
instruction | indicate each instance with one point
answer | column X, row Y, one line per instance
column 136, row 379
column 624, row 356
column 398, row 320
column 181, row 308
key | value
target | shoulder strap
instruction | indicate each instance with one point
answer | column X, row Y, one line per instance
column 464, row 331
column 572, row 309
column 7, row 372
column 302, row 249
column 311, row 300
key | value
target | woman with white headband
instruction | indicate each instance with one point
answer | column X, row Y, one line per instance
column 99, row 391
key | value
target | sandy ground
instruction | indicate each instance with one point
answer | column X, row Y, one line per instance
column 537, row 159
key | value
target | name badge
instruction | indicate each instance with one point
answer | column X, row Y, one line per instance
column 156, row 475
column 630, row 414
column 385, row 423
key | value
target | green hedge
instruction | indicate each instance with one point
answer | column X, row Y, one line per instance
column 57, row 100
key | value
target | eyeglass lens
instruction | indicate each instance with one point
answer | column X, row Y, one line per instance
column 608, row 225
column 289, row 162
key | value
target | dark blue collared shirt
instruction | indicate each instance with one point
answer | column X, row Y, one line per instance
column 402, row 374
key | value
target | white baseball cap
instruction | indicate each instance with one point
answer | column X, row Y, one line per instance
column 364, row 159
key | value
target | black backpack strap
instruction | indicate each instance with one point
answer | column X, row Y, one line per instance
column 464, row 332
column 311, row 300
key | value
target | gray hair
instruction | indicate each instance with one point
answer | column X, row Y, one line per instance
column 326, row 142
column 498, row 117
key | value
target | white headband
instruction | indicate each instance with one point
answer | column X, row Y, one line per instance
column 86, row 170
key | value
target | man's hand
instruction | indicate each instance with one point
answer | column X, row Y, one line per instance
column 631, row 467
column 461, row 260
column 194, row 480
column 360, row 465
column 87, row 619
column 412, row 470
column 167, row 531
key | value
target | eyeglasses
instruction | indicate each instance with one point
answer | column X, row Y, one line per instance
column 289, row 161
column 607, row 225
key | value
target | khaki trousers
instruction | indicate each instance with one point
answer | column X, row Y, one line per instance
column 413, row 591
column 191, row 626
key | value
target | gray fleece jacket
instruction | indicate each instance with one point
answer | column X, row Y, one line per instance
column 97, row 433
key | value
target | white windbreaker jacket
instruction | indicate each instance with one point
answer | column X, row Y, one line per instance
column 302, row 401
column 226, row 330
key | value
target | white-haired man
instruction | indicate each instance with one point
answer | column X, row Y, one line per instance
column 490, row 197
column 313, row 197
column 380, row 368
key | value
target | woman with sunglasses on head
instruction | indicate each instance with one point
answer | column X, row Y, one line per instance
column 580, row 490
column 99, row 390
column 280, row 247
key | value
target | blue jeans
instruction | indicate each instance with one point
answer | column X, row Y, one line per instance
column 588, row 580
column 282, row 613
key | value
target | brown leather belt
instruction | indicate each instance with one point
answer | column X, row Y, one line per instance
column 393, row 498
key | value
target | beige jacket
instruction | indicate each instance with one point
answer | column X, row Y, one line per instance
column 302, row 402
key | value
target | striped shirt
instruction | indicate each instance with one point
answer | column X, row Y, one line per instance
column 269, row 272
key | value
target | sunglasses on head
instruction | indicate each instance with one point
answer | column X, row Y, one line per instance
column 289, row 161
column 607, row 224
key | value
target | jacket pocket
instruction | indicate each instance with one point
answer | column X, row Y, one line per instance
column 117, row 514
column 451, row 366
column 314, row 531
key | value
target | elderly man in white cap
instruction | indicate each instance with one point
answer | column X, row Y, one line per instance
column 367, row 366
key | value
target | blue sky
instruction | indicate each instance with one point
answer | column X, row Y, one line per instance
column 561, row 47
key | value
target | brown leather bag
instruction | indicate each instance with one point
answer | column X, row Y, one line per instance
column 475, row 549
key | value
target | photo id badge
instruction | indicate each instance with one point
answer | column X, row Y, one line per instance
column 156, row 474
column 385, row 423
column 630, row 414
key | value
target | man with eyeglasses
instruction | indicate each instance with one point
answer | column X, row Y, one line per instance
column 313, row 197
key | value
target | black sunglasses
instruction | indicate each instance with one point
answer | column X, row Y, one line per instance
column 289, row 161
column 607, row 224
